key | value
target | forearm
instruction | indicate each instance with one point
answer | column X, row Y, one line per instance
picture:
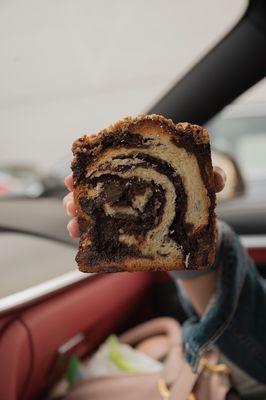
column 226, row 308
column 200, row 290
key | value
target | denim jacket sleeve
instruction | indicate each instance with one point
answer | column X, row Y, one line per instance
column 235, row 318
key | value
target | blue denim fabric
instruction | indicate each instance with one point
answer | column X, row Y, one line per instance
column 235, row 319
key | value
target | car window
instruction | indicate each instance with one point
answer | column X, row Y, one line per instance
column 251, row 155
column 70, row 67
column 244, row 138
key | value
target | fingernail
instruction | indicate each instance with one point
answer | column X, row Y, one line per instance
column 67, row 209
column 68, row 225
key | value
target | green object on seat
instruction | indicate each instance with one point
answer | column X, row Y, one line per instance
column 72, row 373
column 117, row 358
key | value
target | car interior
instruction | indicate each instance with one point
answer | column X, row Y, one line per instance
column 42, row 326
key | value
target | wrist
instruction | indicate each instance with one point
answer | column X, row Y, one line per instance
column 200, row 289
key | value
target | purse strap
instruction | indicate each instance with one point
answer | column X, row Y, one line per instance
column 163, row 325
column 176, row 371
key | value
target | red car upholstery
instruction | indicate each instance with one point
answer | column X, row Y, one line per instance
column 258, row 255
column 96, row 307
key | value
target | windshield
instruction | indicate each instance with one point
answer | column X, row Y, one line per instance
column 69, row 68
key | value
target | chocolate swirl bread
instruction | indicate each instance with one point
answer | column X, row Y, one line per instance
column 145, row 196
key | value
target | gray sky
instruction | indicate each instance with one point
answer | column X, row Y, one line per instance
column 70, row 67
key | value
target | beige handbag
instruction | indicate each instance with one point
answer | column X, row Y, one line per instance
column 159, row 338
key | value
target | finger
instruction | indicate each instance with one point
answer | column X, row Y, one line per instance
column 73, row 228
column 71, row 209
column 68, row 198
column 219, row 179
column 69, row 182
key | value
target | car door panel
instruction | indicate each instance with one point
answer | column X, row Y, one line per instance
column 93, row 308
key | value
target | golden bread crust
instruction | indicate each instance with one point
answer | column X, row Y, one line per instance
column 170, row 141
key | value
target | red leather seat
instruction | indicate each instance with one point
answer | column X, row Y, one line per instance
column 96, row 307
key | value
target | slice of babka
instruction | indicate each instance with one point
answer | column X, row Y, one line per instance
column 144, row 191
